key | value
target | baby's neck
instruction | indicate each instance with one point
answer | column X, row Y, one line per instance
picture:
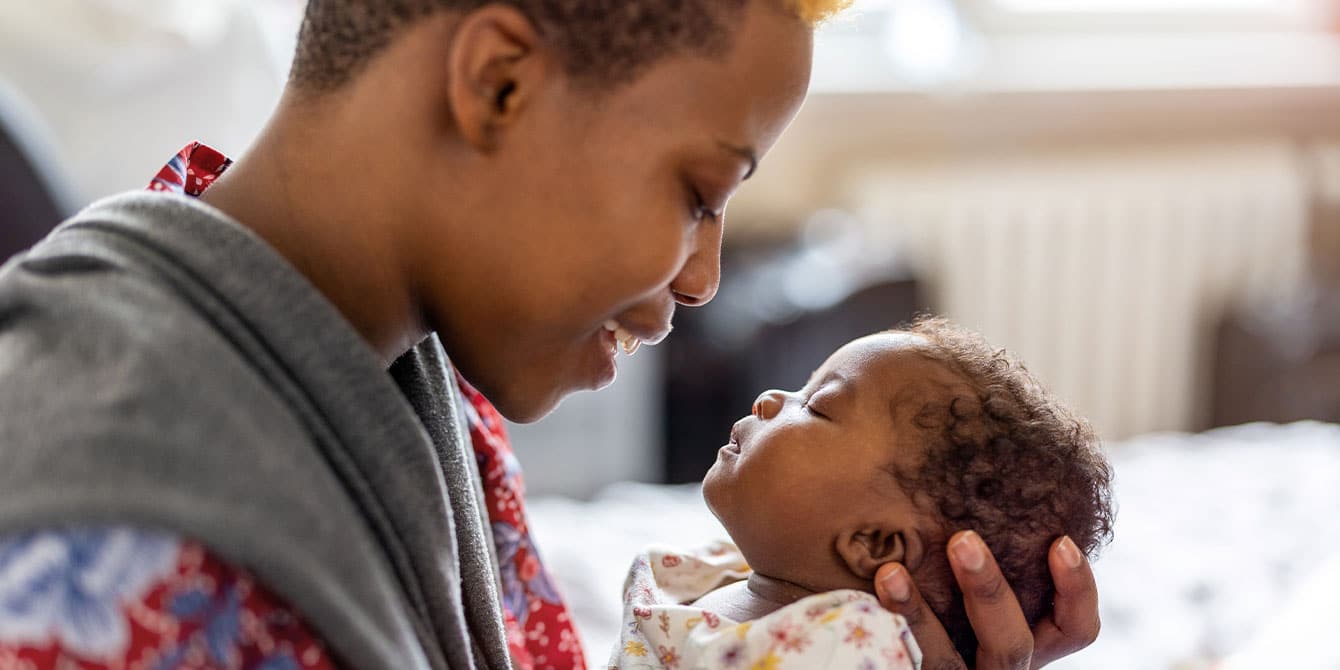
column 751, row 599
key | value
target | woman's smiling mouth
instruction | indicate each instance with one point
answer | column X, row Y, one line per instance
column 627, row 341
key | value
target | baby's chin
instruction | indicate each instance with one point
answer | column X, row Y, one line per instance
column 716, row 487
column 711, row 484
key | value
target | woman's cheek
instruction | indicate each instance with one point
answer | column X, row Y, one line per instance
column 649, row 272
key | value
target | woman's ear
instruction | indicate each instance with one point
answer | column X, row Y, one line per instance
column 493, row 67
column 865, row 549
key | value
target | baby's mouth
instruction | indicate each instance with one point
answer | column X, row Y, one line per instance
column 734, row 445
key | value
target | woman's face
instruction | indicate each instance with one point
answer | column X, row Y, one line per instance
column 605, row 209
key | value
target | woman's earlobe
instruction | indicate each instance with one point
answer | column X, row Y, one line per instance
column 866, row 549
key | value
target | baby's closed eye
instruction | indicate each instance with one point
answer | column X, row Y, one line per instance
column 822, row 403
column 812, row 407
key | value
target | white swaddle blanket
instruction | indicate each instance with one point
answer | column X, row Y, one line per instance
column 840, row 629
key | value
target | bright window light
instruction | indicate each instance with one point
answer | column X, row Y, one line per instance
column 924, row 39
column 1147, row 6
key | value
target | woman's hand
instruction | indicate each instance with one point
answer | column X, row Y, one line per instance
column 1004, row 639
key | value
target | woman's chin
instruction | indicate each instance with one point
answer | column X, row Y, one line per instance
column 522, row 405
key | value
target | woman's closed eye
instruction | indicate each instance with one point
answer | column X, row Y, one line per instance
column 702, row 211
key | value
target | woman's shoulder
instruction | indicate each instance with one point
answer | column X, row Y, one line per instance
column 118, row 596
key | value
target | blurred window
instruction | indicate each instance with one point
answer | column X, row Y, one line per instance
column 1152, row 6
column 1154, row 15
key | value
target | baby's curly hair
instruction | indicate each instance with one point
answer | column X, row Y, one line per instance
column 1006, row 459
column 607, row 42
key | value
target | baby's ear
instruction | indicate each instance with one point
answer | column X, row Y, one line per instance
column 865, row 549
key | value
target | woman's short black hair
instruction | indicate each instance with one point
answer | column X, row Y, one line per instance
column 602, row 41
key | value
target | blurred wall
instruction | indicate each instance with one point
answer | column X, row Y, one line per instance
column 122, row 85
column 1100, row 235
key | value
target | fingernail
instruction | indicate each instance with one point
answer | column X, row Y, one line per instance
column 896, row 585
column 969, row 552
column 1069, row 552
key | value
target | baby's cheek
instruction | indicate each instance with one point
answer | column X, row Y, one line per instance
column 798, row 495
column 835, row 486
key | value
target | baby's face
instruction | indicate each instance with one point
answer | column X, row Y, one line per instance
column 809, row 468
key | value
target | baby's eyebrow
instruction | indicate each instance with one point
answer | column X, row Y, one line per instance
column 844, row 384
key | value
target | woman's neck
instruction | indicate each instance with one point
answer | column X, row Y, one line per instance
column 289, row 192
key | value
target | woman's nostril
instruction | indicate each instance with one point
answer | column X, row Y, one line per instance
column 688, row 300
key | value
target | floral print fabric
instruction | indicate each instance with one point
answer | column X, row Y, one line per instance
column 540, row 631
column 839, row 629
column 103, row 599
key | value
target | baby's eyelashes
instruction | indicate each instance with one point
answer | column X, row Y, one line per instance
column 809, row 405
column 823, row 401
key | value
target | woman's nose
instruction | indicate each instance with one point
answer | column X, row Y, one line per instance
column 699, row 279
column 769, row 404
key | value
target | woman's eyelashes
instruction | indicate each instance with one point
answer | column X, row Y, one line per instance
column 707, row 196
column 702, row 211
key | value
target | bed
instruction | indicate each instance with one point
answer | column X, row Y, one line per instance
column 1227, row 550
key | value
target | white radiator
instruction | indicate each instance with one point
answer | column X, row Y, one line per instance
column 1106, row 272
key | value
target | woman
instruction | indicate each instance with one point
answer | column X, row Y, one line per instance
column 201, row 386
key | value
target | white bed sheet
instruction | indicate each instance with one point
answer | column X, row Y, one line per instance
column 1217, row 534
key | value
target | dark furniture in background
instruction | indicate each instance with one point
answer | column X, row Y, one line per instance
column 780, row 313
column 1280, row 362
column 33, row 196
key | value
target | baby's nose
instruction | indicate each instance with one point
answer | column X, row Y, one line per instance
column 769, row 404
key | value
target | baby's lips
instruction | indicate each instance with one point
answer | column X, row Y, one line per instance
column 735, row 431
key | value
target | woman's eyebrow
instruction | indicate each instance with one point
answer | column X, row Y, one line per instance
column 743, row 152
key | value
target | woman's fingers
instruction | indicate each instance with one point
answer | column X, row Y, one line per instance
column 1003, row 636
column 899, row 595
column 1073, row 623
column 1004, row 641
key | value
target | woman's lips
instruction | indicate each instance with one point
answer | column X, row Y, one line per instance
column 625, row 339
column 603, row 367
column 630, row 335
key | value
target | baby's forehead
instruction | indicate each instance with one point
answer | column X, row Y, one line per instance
column 895, row 365
column 868, row 359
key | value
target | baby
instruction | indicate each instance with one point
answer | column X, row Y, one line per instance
column 898, row 441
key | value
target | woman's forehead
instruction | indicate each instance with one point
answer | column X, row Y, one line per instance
column 744, row 97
